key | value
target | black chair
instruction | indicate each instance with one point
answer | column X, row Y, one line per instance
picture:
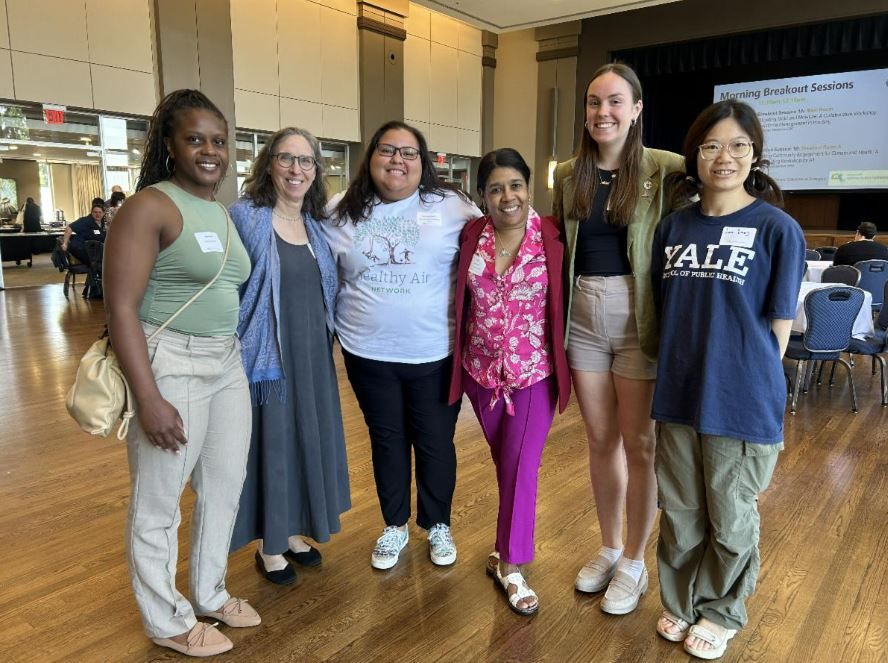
column 844, row 274
column 831, row 312
column 95, row 252
column 811, row 254
column 70, row 265
column 876, row 345
column 826, row 252
column 873, row 275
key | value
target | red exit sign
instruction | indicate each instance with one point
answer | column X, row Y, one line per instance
column 53, row 114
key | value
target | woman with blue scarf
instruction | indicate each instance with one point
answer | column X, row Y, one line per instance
column 297, row 475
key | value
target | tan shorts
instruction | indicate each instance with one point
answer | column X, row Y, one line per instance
column 603, row 334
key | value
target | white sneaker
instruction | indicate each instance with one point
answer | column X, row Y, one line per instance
column 388, row 547
column 442, row 549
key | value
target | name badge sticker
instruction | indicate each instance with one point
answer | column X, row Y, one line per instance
column 477, row 265
column 209, row 242
column 97, row 232
column 428, row 219
column 733, row 236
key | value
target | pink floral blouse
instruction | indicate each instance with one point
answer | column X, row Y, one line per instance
column 507, row 346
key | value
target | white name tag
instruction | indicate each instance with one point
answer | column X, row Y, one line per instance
column 477, row 265
column 97, row 232
column 744, row 237
column 428, row 219
column 209, row 242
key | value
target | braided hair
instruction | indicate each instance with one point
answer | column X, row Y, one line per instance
column 155, row 162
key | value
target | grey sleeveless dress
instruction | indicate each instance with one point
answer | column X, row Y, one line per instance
column 297, row 472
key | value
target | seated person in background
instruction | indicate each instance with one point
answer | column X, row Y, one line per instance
column 90, row 228
column 32, row 217
column 114, row 203
column 863, row 247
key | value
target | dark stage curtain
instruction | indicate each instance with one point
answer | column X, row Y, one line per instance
column 678, row 79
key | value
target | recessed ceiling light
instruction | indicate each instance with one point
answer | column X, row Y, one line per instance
column 38, row 154
column 93, row 154
column 13, row 147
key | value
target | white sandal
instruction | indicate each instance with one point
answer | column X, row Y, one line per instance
column 672, row 620
column 523, row 592
column 719, row 643
column 492, row 563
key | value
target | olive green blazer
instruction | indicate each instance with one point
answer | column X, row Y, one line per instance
column 655, row 165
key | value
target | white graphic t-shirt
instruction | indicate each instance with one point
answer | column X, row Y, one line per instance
column 397, row 275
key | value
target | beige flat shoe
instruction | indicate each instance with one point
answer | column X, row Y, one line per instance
column 237, row 613
column 203, row 640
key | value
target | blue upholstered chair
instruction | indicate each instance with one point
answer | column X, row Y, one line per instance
column 811, row 254
column 876, row 345
column 826, row 252
column 844, row 274
column 873, row 275
column 831, row 312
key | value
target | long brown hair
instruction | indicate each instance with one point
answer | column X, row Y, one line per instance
column 259, row 187
column 625, row 188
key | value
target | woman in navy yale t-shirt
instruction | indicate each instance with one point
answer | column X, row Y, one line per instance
column 726, row 273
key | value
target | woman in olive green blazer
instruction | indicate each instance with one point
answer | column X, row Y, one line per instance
column 610, row 200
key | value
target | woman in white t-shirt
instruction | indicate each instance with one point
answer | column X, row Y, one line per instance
column 395, row 236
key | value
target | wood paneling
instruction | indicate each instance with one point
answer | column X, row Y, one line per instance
column 124, row 91
column 7, row 89
column 65, row 593
column 299, row 49
column 257, row 111
column 338, row 59
column 48, row 27
column 255, row 45
column 417, row 78
column 52, row 80
column 120, row 34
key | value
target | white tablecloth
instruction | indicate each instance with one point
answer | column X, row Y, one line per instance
column 863, row 325
column 815, row 269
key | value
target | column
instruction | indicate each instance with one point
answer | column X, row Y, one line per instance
column 556, row 102
column 381, row 36
column 194, row 50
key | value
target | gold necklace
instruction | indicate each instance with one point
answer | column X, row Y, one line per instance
column 502, row 252
column 286, row 218
column 607, row 182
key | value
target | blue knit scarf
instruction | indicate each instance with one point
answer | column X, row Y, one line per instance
column 258, row 326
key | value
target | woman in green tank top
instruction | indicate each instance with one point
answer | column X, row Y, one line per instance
column 192, row 399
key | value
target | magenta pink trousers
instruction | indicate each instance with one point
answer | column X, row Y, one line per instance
column 516, row 446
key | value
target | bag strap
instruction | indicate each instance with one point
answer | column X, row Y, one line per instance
column 228, row 225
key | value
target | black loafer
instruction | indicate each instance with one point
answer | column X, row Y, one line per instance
column 309, row 558
column 285, row 576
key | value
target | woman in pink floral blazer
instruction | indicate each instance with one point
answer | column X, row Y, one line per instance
column 509, row 351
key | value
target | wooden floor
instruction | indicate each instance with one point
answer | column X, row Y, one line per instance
column 65, row 592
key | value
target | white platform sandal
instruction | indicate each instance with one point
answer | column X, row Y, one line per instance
column 523, row 592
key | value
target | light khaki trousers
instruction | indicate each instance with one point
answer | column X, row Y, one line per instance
column 203, row 377
column 707, row 554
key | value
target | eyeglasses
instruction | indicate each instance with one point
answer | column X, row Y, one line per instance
column 386, row 150
column 736, row 148
column 287, row 160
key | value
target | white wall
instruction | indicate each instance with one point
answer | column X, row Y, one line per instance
column 442, row 81
column 296, row 64
column 89, row 53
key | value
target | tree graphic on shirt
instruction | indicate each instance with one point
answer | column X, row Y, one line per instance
column 388, row 240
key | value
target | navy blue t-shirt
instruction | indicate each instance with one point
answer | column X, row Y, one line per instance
column 85, row 229
column 718, row 283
